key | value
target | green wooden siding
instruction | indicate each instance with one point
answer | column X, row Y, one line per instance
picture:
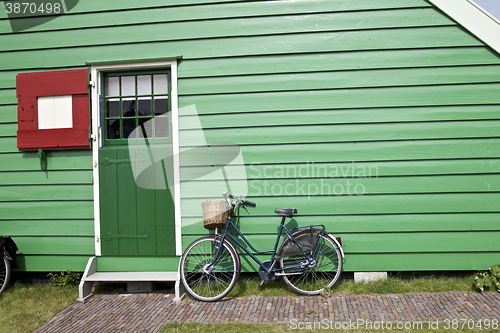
column 391, row 89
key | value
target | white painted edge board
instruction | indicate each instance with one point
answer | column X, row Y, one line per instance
column 473, row 18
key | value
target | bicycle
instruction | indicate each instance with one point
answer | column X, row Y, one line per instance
column 7, row 254
column 309, row 259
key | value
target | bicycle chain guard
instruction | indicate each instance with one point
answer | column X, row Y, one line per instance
column 263, row 273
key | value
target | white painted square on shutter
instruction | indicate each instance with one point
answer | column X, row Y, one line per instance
column 55, row 112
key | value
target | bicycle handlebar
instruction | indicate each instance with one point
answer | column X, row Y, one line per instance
column 246, row 202
column 238, row 199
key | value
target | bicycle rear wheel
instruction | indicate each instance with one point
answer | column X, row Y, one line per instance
column 203, row 281
column 323, row 273
column 4, row 273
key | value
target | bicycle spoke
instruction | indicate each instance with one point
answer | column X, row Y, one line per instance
column 209, row 269
column 320, row 271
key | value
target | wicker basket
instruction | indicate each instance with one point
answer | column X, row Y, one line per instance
column 215, row 214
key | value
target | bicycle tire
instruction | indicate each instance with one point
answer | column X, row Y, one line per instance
column 312, row 280
column 5, row 273
column 204, row 285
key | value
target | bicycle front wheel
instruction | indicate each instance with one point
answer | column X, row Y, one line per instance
column 4, row 273
column 209, row 269
column 323, row 272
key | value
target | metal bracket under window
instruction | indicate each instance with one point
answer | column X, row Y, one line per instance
column 42, row 155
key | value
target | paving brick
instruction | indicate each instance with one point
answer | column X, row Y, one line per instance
column 148, row 312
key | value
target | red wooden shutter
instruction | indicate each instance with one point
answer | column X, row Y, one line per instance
column 31, row 86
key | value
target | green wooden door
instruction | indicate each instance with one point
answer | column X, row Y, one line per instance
column 135, row 166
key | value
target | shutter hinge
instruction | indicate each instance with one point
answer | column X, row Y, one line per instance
column 92, row 84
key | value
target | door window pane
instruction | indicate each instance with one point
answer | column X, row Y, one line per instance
column 145, row 128
column 112, row 86
column 128, row 127
column 160, row 84
column 113, row 129
column 161, row 127
column 128, row 107
column 128, row 85
column 144, row 107
column 161, row 105
column 113, row 108
column 144, row 85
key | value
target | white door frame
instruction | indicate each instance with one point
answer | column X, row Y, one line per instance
column 96, row 84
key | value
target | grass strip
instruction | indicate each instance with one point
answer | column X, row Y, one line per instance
column 281, row 328
column 392, row 285
column 24, row 308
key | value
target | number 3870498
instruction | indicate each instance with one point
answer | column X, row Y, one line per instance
column 32, row 8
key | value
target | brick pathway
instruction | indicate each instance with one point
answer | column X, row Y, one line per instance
column 148, row 312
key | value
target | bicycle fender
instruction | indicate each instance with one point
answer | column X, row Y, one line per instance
column 337, row 243
column 327, row 234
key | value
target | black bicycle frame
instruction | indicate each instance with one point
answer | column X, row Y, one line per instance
column 270, row 269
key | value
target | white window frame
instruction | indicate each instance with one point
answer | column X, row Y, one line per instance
column 96, row 85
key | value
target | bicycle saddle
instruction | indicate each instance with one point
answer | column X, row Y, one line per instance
column 286, row 212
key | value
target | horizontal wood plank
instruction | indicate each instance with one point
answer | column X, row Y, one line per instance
column 345, row 98
column 362, row 151
column 46, row 177
column 8, row 113
column 347, row 116
column 417, row 242
column 52, row 263
column 340, row 80
column 46, row 193
column 76, row 227
column 353, row 224
column 56, row 160
column 8, row 129
column 465, row 261
column 246, row 46
column 337, row 186
column 47, row 210
column 323, row 62
column 402, row 262
column 248, row 26
column 342, row 133
column 349, row 170
column 366, row 204
column 67, row 245
column 337, row 61
column 8, row 145
column 206, row 9
column 8, row 96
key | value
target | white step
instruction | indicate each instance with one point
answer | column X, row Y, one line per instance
column 91, row 275
column 131, row 276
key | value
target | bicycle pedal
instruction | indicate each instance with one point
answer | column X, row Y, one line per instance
column 261, row 283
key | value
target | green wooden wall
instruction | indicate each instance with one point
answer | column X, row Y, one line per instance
column 393, row 90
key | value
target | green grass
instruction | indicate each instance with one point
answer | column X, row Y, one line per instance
column 281, row 328
column 24, row 308
column 393, row 285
